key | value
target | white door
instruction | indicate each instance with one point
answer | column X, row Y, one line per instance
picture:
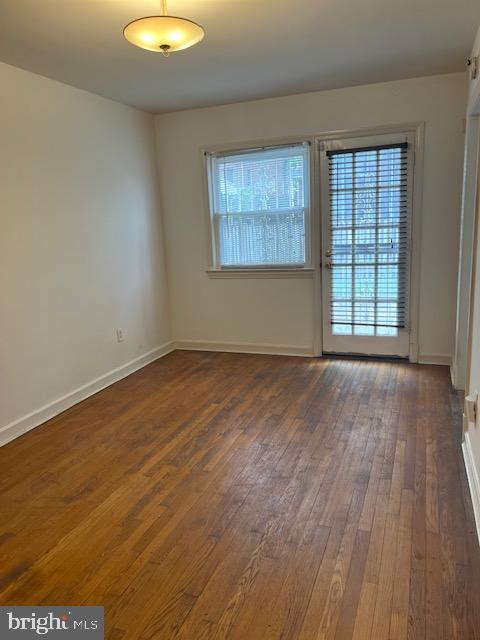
column 366, row 200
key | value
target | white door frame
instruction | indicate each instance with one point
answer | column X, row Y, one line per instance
column 460, row 363
column 321, row 183
column 468, row 261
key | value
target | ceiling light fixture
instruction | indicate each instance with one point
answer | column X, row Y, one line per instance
column 163, row 33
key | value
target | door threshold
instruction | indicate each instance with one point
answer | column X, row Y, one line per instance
column 364, row 356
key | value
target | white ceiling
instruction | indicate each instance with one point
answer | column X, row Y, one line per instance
column 252, row 49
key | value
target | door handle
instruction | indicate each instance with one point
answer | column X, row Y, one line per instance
column 328, row 253
column 328, row 265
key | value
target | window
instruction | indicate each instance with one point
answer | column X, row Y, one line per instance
column 369, row 239
column 260, row 207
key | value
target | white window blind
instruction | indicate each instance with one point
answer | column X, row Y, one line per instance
column 369, row 226
column 260, row 206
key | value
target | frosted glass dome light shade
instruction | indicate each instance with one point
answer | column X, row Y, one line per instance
column 164, row 33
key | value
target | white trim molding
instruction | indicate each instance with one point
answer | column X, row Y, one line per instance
column 473, row 480
column 453, row 376
column 244, row 347
column 17, row 428
column 300, row 272
column 467, row 250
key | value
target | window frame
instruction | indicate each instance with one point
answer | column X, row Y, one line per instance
column 215, row 269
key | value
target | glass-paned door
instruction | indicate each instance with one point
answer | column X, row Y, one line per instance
column 366, row 221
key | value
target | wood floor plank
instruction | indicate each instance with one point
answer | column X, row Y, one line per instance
column 213, row 496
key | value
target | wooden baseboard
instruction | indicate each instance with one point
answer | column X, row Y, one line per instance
column 39, row 416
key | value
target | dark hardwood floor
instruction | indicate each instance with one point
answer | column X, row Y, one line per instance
column 214, row 496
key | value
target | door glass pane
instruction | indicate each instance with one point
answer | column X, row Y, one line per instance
column 342, row 283
column 364, row 283
column 364, row 312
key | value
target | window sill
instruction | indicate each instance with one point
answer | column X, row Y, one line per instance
column 286, row 272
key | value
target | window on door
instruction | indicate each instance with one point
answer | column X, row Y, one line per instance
column 369, row 240
column 260, row 207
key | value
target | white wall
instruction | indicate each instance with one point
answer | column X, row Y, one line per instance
column 280, row 311
column 80, row 243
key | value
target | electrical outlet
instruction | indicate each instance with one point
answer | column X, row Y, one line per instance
column 120, row 335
